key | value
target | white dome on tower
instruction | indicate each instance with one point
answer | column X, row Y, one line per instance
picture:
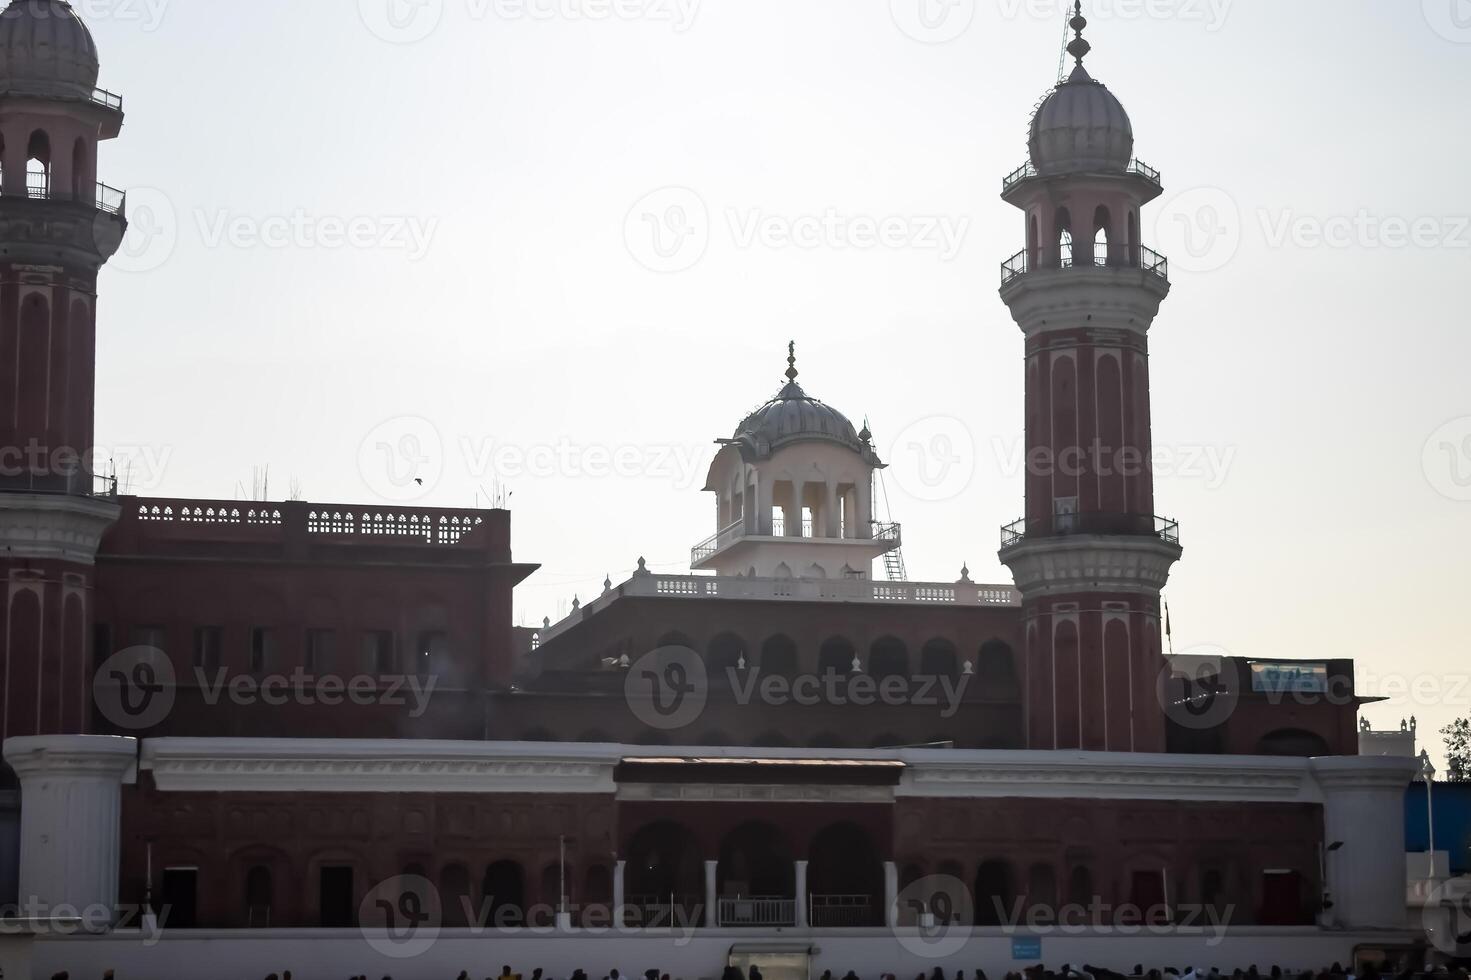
column 1081, row 127
column 45, row 49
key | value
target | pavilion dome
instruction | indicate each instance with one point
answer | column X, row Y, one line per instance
column 794, row 416
column 1081, row 127
column 45, row 49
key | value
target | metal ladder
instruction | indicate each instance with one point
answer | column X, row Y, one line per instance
column 893, row 560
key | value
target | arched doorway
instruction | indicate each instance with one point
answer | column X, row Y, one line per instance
column 757, row 877
column 503, row 890
column 995, row 893
column 456, row 899
column 845, row 879
column 665, row 873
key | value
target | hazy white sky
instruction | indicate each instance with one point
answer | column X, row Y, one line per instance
column 425, row 222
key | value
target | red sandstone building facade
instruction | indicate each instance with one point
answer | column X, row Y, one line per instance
column 305, row 701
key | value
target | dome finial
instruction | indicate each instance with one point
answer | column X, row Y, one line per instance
column 1080, row 47
column 792, row 361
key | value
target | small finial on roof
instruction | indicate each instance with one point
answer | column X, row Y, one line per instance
column 1080, row 47
column 792, row 361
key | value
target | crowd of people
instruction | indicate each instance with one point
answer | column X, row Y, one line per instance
column 1385, row 971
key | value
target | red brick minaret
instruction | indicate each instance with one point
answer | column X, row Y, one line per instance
column 58, row 226
column 1090, row 557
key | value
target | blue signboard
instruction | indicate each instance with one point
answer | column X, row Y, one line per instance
column 1026, row 950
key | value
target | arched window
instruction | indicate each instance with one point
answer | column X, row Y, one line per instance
column 1063, row 241
column 1293, row 742
column 38, row 165
column 835, row 656
column 888, row 658
column 259, row 897
column 1102, row 221
column 724, row 657
column 939, row 659
column 996, row 667
column 779, row 657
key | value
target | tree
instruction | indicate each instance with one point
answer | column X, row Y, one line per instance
column 1458, row 750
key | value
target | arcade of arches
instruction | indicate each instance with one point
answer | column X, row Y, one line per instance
column 842, row 858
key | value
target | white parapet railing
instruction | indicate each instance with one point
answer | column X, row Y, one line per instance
column 646, row 583
column 741, row 912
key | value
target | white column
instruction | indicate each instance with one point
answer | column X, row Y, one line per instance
column 864, row 517
column 765, row 501
column 618, row 917
column 831, row 515
column 71, row 822
column 801, row 894
column 712, row 901
column 891, row 894
column 796, row 526
column 1363, row 808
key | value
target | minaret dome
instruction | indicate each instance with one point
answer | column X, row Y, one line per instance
column 1081, row 127
column 45, row 49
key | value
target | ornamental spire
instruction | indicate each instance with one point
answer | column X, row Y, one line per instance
column 1079, row 47
column 792, row 361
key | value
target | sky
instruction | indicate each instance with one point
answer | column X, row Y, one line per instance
column 548, row 251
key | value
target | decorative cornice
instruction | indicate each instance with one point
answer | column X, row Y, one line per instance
column 349, row 766
column 727, row 793
column 1106, row 297
column 1118, row 777
column 1090, row 562
column 54, row 526
column 73, row 232
column 58, row 756
column 385, row 766
column 1365, row 772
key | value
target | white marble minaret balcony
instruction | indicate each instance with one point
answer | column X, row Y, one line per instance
column 794, row 491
